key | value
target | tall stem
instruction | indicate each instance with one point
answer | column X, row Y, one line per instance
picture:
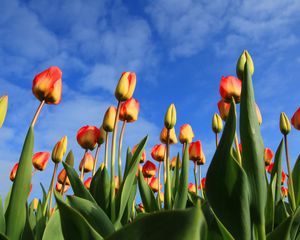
column 51, row 188
column 113, row 152
column 195, row 176
column 236, row 142
column 37, row 113
column 106, row 151
column 217, row 140
column 63, row 186
column 167, row 171
column 201, row 189
column 120, row 151
column 158, row 192
column 82, row 168
column 96, row 159
column 290, row 178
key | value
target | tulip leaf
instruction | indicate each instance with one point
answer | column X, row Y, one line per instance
column 28, row 233
column 7, row 198
column 74, row 225
column 93, row 214
column 175, row 225
column 53, row 229
column 253, row 152
column 2, row 218
column 182, row 191
column 226, row 185
column 295, row 228
column 270, row 206
column 296, row 180
column 128, row 161
column 3, row 237
column 282, row 232
column 175, row 178
column 128, row 212
column 77, row 186
column 147, row 195
column 126, row 186
column 15, row 214
column 40, row 222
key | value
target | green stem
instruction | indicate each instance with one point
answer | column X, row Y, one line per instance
column 50, row 192
column 158, row 192
column 167, row 204
column 37, row 113
column 106, row 150
column 201, row 189
column 120, row 151
column 217, row 140
column 113, row 152
column 82, row 168
column 236, row 142
column 96, row 159
column 195, row 176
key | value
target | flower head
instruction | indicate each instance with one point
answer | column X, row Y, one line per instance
column 59, row 149
column 296, row 119
column 186, row 133
column 149, row 169
column 3, row 108
column 126, row 86
column 129, row 110
column 108, row 123
column 87, row 137
column 158, row 152
column 87, row 162
column 230, row 86
column 172, row 136
column 40, row 160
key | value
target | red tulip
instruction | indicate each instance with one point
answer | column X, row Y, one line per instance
column 62, row 176
column 284, row 191
column 173, row 163
column 87, row 183
column 230, row 86
column 186, row 134
column 88, row 161
column 224, row 108
column 296, row 119
column 40, row 160
column 154, row 184
column 268, row 155
column 196, row 153
column 158, row 152
column 129, row 110
column 203, row 182
column 13, row 172
column 269, row 169
column 192, row 188
column 143, row 157
column 149, row 169
column 47, row 85
column 88, row 136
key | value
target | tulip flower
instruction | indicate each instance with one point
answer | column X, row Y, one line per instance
column 202, row 160
column 245, row 57
column 161, row 197
column 284, row 191
column 102, row 136
column 87, row 137
column 158, row 152
column 86, row 164
column 87, row 183
column 172, row 136
column 13, row 172
column 149, row 169
column 59, row 187
column 203, row 182
column 217, row 123
column 240, row 147
column 173, row 163
column 296, row 119
column 59, row 149
column 143, row 157
column 192, row 188
column 268, row 155
column 269, row 169
column 3, row 109
column 154, row 183
column 186, row 134
column 224, row 108
column 129, row 110
column 109, row 119
column 126, row 86
column 40, row 160
column 62, row 177
column 284, row 124
column 35, row 204
column 230, row 86
column 140, row 208
column 195, row 151
column 170, row 117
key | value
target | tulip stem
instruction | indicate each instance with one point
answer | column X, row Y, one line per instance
column 217, row 140
column 37, row 113
column 63, row 186
column 120, row 151
column 195, row 176
column 201, row 189
column 82, row 167
column 236, row 142
column 158, row 192
column 96, row 159
column 290, row 178
column 168, row 199
column 50, row 192
column 106, row 151
column 33, row 172
column 113, row 154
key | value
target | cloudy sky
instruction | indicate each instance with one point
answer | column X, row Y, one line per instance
column 179, row 50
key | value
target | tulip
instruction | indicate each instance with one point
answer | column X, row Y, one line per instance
column 240, row 147
column 102, row 136
column 173, row 163
column 269, row 169
column 158, row 152
column 87, row 183
column 126, row 86
column 59, row 186
column 154, row 184
column 87, row 137
column 47, row 85
column 202, row 160
column 117, row 183
column 140, row 208
column 161, row 197
column 186, row 134
column 143, row 156
column 192, row 188
column 268, row 155
column 217, row 123
column 245, row 57
column 62, row 177
column 285, row 126
column 109, row 119
column 170, row 117
column 40, row 160
column 87, row 163
column 129, row 110
column 149, row 169
column 3, row 109
column 296, row 119
column 224, row 108
column 35, row 204
column 195, row 151
column 203, row 182
column 59, row 150
column 172, row 136
column 284, row 191
column 13, row 172
column 230, row 86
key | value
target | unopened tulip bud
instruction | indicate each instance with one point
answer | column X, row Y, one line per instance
column 87, row 183
column 172, row 136
column 284, row 191
column 47, row 85
column 102, row 136
column 217, row 123
column 58, row 187
column 129, row 110
column 109, row 119
column 13, row 172
column 88, row 161
column 59, row 150
column 173, row 163
column 192, row 188
column 245, row 57
column 170, row 117
column 195, row 151
column 126, row 86
column 230, row 86
column 149, row 169
column 143, row 157
column 285, row 126
column 3, row 109
column 186, row 134
column 35, row 204
column 154, row 184
column 62, row 177
column 296, row 119
column 268, row 155
column 158, row 152
column 224, row 108
column 40, row 160
column 87, row 137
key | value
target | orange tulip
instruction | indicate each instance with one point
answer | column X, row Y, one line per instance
column 117, row 183
column 88, row 136
column 186, row 134
column 126, row 86
column 268, row 155
column 87, row 183
column 284, row 191
column 88, row 161
column 58, row 187
column 13, row 172
column 172, row 136
column 192, row 188
column 296, row 119
column 158, row 152
column 62, row 176
column 143, row 157
column 269, row 169
column 154, row 184
column 47, row 85
column 224, row 108
column 202, row 160
column 40, row 160
column 195, row 152
column 173, row 163
column 109, row 119
column 129, row 110
column 230, row 86
column 149, row 169
column 59, row 150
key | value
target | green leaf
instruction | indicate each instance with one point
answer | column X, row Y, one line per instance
column 40, row 222
column 27, row 231
column 53, row 229
column 226, row 185
column 15, row 215
column 282, row 232
column 295, row 228
column 270, row 206
column 147, row 195
column 175, row 225
column 296, row 180
column 128, row 161
column 78, row 188
column 7, row 198
column 2, row 218
column 93, row 214
column 128, row 212
column 253, row 152
column 74, row 225
column 175, row 178
column 3, row 237
column 182, row 191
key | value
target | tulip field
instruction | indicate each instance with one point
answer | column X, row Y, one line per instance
column 245, row 194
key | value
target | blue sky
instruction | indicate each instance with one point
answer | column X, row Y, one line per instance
column 178, row 49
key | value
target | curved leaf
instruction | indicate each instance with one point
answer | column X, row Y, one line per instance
column 2, row 218
column 282, row 232
column 296, row 180
column 53, row 229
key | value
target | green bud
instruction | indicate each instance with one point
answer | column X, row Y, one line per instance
column 240, row 65
column 3, row 109
column 217, row 124
column 170, row 117
column 285, row 125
